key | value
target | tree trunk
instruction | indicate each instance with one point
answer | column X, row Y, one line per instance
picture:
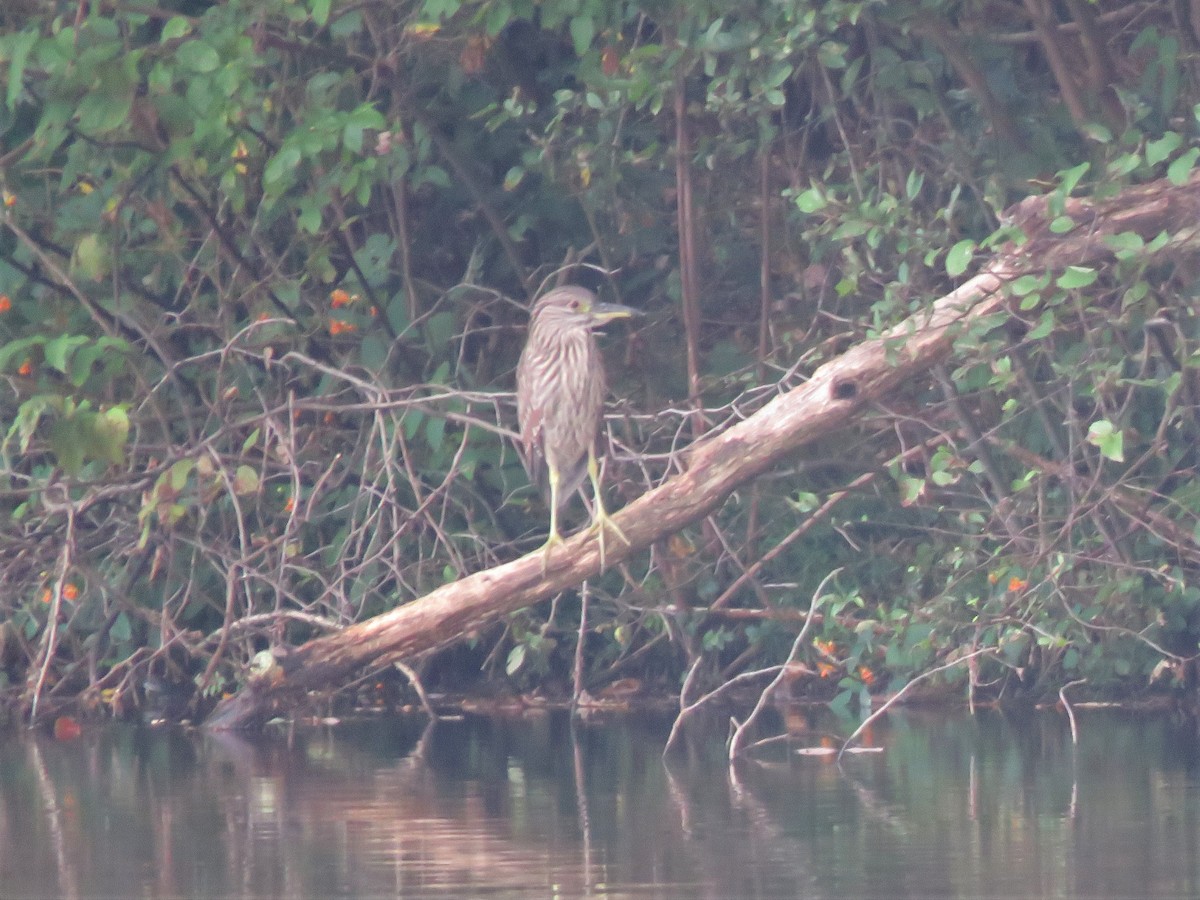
column 718, row 465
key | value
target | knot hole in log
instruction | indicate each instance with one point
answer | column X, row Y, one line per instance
column 844, row 389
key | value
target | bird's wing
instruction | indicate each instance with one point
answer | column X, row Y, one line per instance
column 531, row 450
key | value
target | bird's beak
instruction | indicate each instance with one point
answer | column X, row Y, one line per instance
column 606, row 312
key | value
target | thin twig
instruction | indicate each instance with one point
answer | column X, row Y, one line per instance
column 727, row 686
column 904, row 690
column 577, row 688
column 415, row 680
column 738, row 740
column 60, row 578
column 1062, row 695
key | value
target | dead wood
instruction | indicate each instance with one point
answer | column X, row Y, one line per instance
column 837, row 392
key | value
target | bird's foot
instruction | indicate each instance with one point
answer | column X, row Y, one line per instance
column 554, row 540
column 602, row 522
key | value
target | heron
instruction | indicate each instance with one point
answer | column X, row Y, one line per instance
column 560, row 402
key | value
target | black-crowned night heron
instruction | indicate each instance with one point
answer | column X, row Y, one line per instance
column 560, row 401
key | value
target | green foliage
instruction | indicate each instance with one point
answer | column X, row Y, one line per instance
column 255, row 266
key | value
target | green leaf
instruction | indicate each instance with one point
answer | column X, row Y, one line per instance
column 198, row 56
column 912, row 186
column 282, row 165
column 1026, row 284
column 1070, row 177
column 106, row 108
column 810, row 201
column 373, row 351
column 110, row 433
column 346, row 26
column 92, row 258
column 121, row 631
column 435, row 432
column 1076, row 277
column 19, row 46
column 178, row 474
column 320, row 12
column 440, row 329
column 1181, row 168
column 959, row 257
column 1123, row 164
column 1159, row 241
column 441, row 9
column 58, row 350
column 352, row 137
column 1125, row 244
column 1043, row 328
column 583, row 30
column 397, row 312
column 1108, row 439
column 67, row 445
column 176, row 27
column 82, row 361
column 29, row 414
column 780, row 72
column 1157, row 151
column 513, row 178
column 910, row 489
column 310, row 217
column 245, row 481
column 516, row 659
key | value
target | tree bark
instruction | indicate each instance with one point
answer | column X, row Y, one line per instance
column 718, row 465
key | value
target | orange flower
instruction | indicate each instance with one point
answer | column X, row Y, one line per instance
column 70, row 592
column 826, row 669
column 5, row 303
column 340, row 298
column 290, row 505
column 336, row 327
column 829, row 648
column 10, row 200
column 26, row 368
column 867, row 676
column 1016, row 584
column 993, row 577
column 610, row 62
column 66, row 729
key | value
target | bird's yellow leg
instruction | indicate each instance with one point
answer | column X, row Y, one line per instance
column 601, row 519
column 555, row 537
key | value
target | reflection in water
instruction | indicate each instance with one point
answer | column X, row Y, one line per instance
column 955, row 806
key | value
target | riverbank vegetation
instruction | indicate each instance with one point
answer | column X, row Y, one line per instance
column 263, row 273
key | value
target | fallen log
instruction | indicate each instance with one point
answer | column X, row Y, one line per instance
column 830, row 400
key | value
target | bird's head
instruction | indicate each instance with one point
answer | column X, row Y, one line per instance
column 577, row 307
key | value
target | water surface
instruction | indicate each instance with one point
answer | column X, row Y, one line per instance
column 954, row 806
